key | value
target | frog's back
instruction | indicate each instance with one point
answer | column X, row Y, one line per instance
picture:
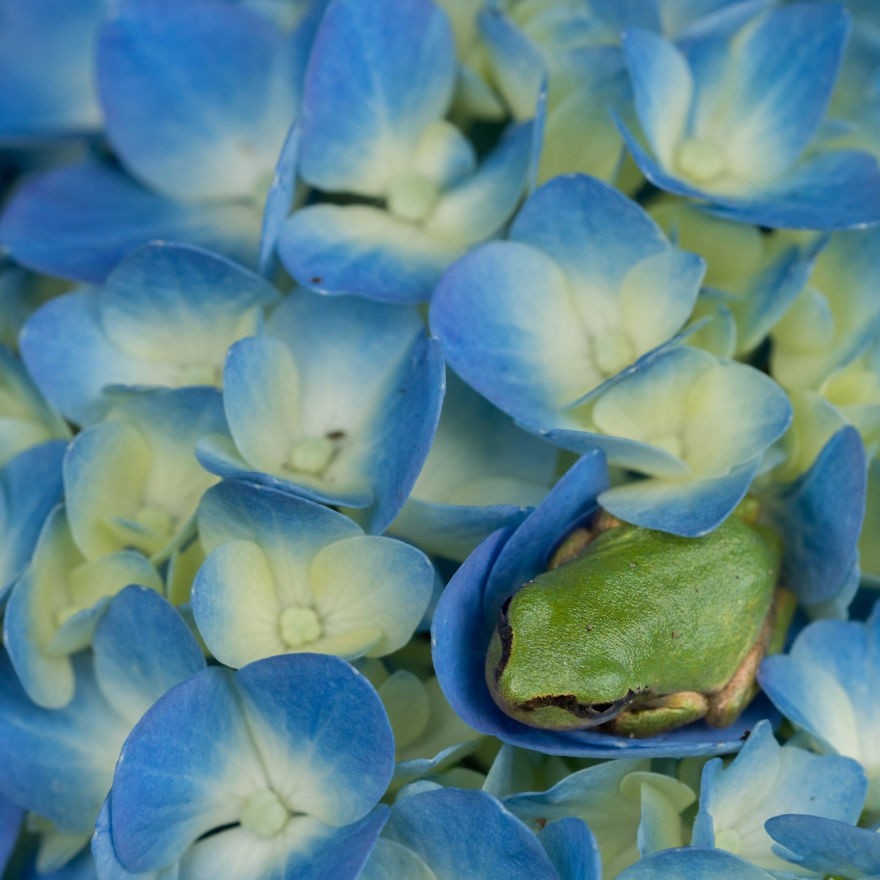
column 675, row 613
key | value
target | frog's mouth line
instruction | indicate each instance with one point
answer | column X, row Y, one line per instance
column 595, row 713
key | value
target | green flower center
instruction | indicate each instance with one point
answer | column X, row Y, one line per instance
column 264, row 814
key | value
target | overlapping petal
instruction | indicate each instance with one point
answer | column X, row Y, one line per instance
column 764, row 780
column 736, row 124
column 611, row 289
column 132, row 480
column 112, row 216
column 196, row 97
column 827, row 684
column 284, row 757
column 284, row 574
column 128, row 332
column 337, row 402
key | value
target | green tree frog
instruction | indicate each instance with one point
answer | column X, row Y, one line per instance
column 641, row 631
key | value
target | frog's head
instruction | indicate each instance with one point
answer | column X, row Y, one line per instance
column 542, row 671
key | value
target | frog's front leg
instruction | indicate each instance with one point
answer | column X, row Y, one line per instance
column 727, row 705
column 659, row 714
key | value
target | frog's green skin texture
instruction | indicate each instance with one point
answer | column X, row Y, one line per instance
column 646, row 628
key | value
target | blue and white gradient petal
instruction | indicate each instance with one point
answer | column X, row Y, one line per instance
column 26, row 419
column 765, row 780
column 482, row 473
column 827, row 846
column 438, row 826
column 110, row 216
column 196, row 97
column 383, row 135
column 62, row 768
column 694, row 861
column 128, row 332
column 612, row 289
column 30, row 486
column 732, row 121
column 338, row 402
column 55, row 605
column 293, row 752
column 132, row 480
column 630, row 810
column 46, row 66
column 826, row 685
column 284, row 574
column 695, row 425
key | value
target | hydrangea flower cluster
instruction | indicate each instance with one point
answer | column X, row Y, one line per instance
column 346, row 346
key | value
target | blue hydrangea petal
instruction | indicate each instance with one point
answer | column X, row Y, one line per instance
column 376, row 79
column 478, row 207
column 487, row 316
column 568, row 504
column 516, row 63
column 833, row 190
column 158, row 805
column 304, row 850
column 385, row 379
column 30, row 486
column 430, row 824
column 11, row 816
column 572, row 849
column 142, row 648
column 40, row 773
column 54, row 607
column 679, row 400
column 390, row 860
column 47, row 70
column 132, row 480
column 564, row 214
column 480, row 475
column 764, row 780
column 279, row 199
column 372, row 582
column 302, row 712
column 194, row 97
column 819, row 517
column 165, row 290
column 79, row 221
column 262, row 398
column 71, row 359
column 772, row 291
column 786, row 69
column 688, row 508
column 238, row 625
column 693, row 861
column 663, row 89
column 105, row 862
column 26, row 419
column 362, row 250
column 824, row 685
column 292, row 528
column 827, row 846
